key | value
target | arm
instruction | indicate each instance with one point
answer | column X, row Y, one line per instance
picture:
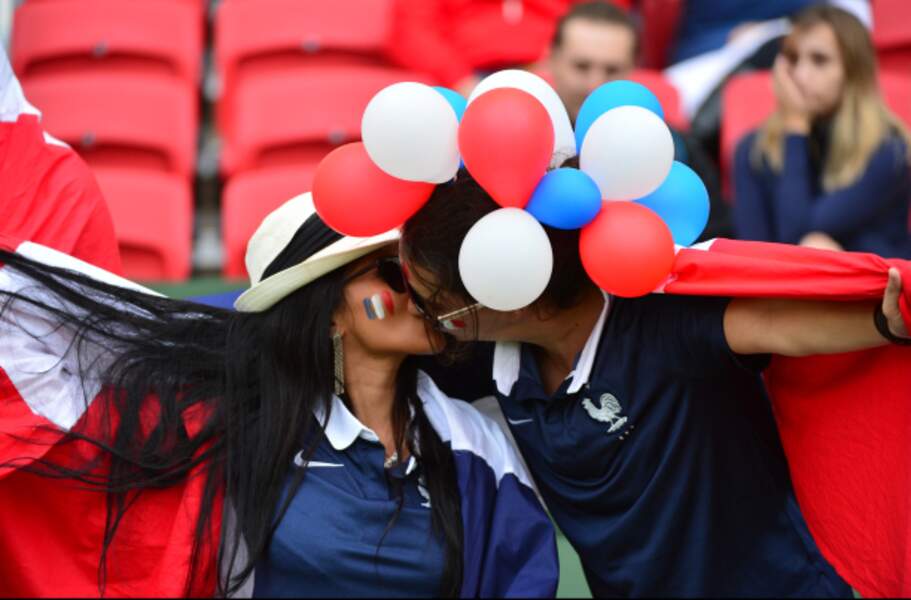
column 802, row 328
column 751, row 217
column 840, row 213
column 417, row 42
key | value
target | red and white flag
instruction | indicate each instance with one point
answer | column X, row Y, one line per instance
column 844, row 420
column 47, row 193
column 53, row 528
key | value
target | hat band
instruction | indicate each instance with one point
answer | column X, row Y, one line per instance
column 311, row 237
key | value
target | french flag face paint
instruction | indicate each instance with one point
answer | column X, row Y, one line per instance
column 453, row 324
column 379, row 306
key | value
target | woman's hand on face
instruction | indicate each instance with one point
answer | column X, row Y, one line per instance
column 791, row 101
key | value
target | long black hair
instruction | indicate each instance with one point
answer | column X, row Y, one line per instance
column 255, row 378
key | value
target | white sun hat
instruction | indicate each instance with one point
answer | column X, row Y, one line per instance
column 273, row 236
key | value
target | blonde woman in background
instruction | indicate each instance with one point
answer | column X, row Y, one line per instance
column 830, row 168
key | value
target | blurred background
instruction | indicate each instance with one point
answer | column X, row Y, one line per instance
column 199, row 117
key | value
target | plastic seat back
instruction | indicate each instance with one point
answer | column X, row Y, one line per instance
column 153, row 220
column 53, row 36
column 120, row 119
column 248, row 198
column 298, row 116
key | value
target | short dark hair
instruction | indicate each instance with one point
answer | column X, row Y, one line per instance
column 599, row 11
column 432, row 238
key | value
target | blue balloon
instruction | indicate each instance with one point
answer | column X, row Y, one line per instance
column 566, row 199
column 611, row 95
column 683, row 202
column 455, row 99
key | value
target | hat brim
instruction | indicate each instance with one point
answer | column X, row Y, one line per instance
column 269, row 291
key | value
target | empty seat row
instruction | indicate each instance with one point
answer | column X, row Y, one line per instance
column 119, row 82
column 60, row 36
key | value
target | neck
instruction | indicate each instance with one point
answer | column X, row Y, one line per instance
column 370, row 382
column 560, row 338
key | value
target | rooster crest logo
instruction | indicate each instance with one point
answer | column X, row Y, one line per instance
column 608, row 412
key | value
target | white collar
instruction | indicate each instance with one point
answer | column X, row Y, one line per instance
column 343, row 428
column 507, row 359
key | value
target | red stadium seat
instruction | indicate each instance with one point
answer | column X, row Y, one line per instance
column 153, row 219
column 746, row 101
column 246, row 201
column 120, row 119
column 295, row 117
column 892, row 34
column 273, row 35
column 60, row 35
column 896, row 89
column 667, row 95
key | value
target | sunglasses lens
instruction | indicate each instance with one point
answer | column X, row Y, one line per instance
column 391, row 274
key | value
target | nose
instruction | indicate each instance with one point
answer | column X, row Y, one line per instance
column 802, row 74
column 595, row 80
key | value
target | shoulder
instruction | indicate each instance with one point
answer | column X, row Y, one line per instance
column 661, row 309
column 675, row 331
column 744, row 148
column 467, row 430
column 893, row 148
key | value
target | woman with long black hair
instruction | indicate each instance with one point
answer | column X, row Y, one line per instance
column 291, row 447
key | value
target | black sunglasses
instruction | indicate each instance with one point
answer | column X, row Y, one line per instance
column 447, row 322
column 390, row 271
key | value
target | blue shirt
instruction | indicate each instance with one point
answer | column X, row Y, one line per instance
column 659, row 458
column 337, row 537
column 328, row 543
column 869, row 215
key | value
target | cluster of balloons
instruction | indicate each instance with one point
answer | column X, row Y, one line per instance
column 629, row 197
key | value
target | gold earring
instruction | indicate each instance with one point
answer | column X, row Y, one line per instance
column 338, row 363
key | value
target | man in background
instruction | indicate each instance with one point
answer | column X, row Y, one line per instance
column 597, row 42
column 457, row 42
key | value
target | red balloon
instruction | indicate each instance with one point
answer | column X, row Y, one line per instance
column 355, row 197
column 627, row 250
column 506, row 139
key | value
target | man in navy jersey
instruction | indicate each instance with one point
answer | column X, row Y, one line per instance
column 644, row 421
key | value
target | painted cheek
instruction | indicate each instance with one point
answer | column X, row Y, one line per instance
column 453, row 324
column 379, row 306
column 388, row 302
column 368, row 308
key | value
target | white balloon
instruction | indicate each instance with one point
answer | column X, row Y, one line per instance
column 506, row 260
column 411, row 132
column 628, row 151
column 564, row 139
